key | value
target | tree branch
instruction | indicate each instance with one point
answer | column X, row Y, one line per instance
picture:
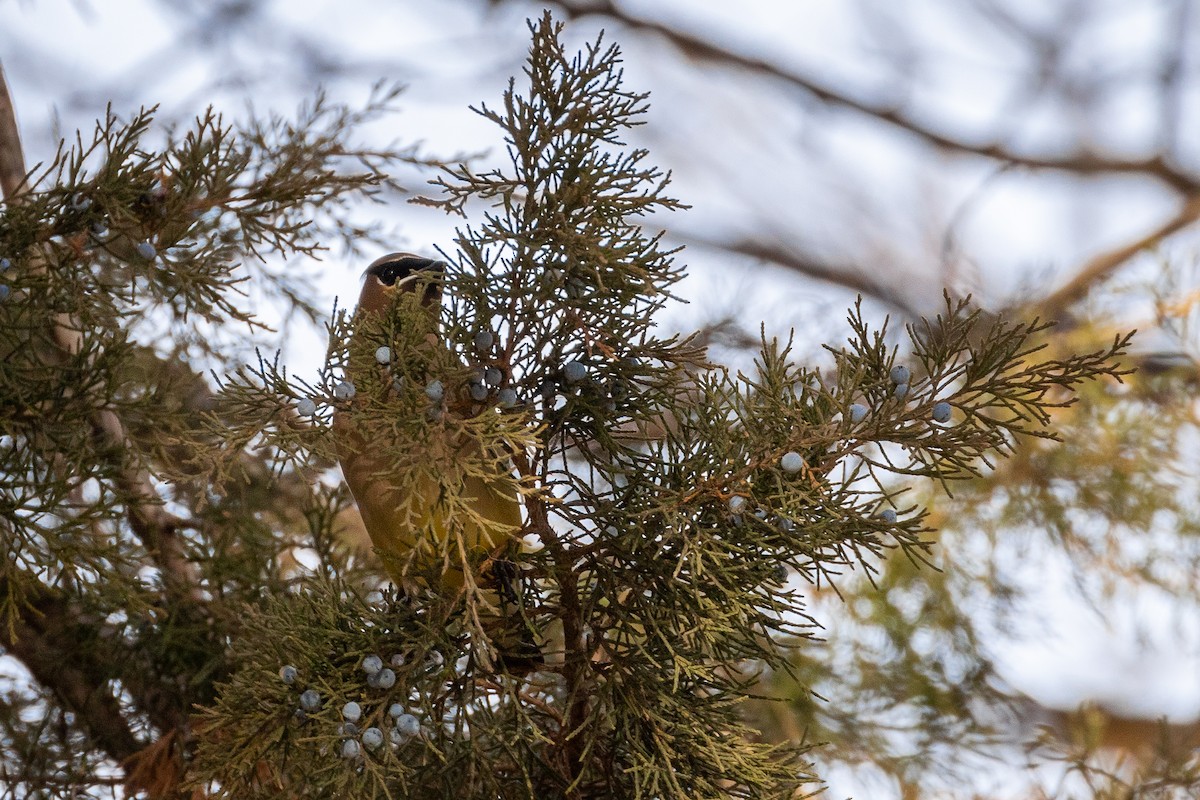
column 45, row 634
column 155, row 527
column 1079, row 162
column 45, row 637
column 12, row 159
column 1102, row 265
column 846, row 276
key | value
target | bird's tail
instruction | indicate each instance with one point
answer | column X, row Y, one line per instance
column 511, row 631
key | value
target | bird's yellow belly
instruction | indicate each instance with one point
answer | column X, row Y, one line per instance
column 418, row 531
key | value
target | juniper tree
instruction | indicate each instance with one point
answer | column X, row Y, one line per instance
column 159, row 523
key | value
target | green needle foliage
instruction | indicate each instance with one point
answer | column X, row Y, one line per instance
column 666, row 501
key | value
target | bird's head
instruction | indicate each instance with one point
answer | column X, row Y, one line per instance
column 393, row 274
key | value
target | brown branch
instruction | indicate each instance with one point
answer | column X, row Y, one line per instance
column 1079, row 162
column 845, row 276
column 12, row 159
column 1104, row 264
column 45, row 636
column 1144, row 739
column 157, row 529
column 575, row 656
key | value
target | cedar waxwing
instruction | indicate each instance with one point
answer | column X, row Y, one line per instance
column 409, row 513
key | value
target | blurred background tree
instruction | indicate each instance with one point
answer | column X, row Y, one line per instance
column 1032, row 154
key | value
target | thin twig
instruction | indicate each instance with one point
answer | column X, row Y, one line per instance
column 1079, row 162
column 574, row 668
column 846, row 276
column 1100, row 266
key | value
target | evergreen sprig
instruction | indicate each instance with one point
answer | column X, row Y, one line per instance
column 123, row 266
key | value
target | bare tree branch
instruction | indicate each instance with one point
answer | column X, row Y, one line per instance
column 45, row 638
column 848, row 276
column 12, row 158
column 1079, row 162
column 1104, row 264
column 1084, row 161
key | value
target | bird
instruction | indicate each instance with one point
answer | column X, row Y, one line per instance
column 404, row 526
column 413, row 502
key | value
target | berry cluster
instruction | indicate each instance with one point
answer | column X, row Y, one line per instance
column 81, row 213
column 900, row 376
column 602, row 391
column 487, row 379
column 793, row 463
column 363, row 729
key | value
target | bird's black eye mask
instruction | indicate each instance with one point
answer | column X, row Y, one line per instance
column 390, row 273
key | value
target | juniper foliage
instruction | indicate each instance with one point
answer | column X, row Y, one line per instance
column 128, row 270
column 674, row 511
